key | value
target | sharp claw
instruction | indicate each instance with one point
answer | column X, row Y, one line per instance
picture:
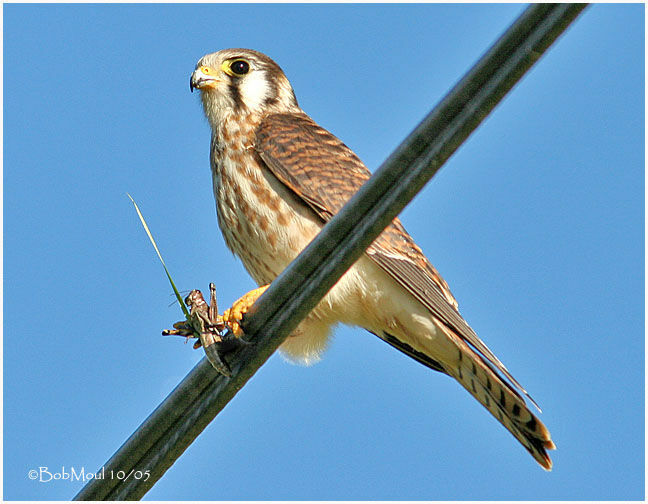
column 233, row 342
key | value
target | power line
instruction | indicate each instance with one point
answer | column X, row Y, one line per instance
column 173, row 426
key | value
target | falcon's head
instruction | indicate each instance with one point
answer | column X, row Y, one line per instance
column 241, row 81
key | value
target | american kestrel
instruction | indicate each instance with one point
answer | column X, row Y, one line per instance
column 278, row 178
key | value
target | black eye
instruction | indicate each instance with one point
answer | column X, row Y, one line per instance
column 240, row 67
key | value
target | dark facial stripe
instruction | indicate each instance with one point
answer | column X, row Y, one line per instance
column 272, row 99
column 274, row 75
column 235, row 93
column 273, row 95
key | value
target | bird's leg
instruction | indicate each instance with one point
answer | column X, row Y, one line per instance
column 234, row 315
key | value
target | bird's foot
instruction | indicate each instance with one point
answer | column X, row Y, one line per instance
column 217, row 334
column 233, row 316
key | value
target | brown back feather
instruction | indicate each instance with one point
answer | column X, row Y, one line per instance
column 325, row 173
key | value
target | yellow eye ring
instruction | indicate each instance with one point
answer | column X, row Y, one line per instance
column 236, row 67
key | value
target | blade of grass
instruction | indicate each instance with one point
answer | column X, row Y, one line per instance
column 148, row 232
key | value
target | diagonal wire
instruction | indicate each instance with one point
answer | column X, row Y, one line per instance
column 173, row 426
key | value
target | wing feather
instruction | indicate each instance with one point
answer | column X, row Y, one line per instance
column 325, row 173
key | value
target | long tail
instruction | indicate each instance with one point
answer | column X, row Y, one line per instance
column 499, row 398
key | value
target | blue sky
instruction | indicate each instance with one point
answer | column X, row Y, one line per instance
column 536, row 223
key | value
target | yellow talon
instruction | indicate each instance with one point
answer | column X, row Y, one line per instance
column 233, row 316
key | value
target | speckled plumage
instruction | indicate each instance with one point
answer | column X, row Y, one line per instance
column 278, row 177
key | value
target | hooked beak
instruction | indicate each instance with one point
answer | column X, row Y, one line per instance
column 201, row 78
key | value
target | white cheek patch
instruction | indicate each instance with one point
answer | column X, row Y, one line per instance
column 254, row 90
